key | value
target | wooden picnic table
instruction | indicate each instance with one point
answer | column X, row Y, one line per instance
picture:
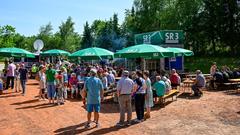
column 117, row 78
column 233, row 84
column 187, row 84
column 194, row 75
column 234, row 80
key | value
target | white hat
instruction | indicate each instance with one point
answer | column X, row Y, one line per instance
column 93, row 71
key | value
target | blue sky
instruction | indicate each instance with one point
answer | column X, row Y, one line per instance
column 28, row 15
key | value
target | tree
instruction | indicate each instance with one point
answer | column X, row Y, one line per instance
column 70, row 40
column 7, row 34
column 115, row 25
column 87, row 39
column 46, row 35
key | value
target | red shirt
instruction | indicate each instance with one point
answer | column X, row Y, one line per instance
column 174, row 78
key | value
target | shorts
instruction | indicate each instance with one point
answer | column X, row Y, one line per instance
column 51, row 89
column 91, row 107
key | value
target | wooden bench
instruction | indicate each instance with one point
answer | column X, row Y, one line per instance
column 109, row 91
column 226, row 86
column 171, row 94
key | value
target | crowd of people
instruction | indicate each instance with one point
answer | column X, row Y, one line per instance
column 222, row 74
column 143, row 89
column 61, row 81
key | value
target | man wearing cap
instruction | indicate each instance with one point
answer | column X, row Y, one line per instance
column 124, row 91
column 199, row 83
column 93, row 87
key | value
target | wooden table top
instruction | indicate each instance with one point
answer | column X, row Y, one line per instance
column 194, row 75
column 234, row 80
column 117, row 78
column 188, row 81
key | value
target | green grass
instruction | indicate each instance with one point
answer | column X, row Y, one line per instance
column 204, row 63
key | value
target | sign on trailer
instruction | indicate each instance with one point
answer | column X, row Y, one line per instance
column 161, row 37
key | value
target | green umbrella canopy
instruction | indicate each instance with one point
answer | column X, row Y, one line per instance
column 181, row 51
column 93, row 53
column 144, row 51
column 15, row 52
column 55, row 52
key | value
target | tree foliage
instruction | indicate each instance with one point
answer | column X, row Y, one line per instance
column 212, row 27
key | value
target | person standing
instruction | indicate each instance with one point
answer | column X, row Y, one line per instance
column 140, row 91
column 17, row 79
column 149, row 95
column 65, row 81
column 23, row 78
column 1, row 86
column 34, row 71
column 93, row 88
column 51, row 86
column 124, row 91
column 42, row 82
column 213, row 68
column 59, row 88
column 10, row 74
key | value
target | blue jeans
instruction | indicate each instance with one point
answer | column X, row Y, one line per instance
column 51, row 89
column 196, row 90
column 23, row 84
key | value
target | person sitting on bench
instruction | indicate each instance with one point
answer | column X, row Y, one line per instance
column 175, row 79
column 198, row 83
column 167, row 84
column 159, row 88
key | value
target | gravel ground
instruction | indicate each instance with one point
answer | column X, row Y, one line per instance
column 216, row 113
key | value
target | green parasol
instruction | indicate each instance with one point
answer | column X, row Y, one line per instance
column 146, row 51
column 180, row 51
column 93, row 53
column 55, row 52
column 15, row 52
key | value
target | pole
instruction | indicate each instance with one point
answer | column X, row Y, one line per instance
column 144, row 64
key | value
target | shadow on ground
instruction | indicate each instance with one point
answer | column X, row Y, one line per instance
column 39, row 106
column 9, row 95
column 26, row 102
column 188, row 96
column 75, row 129
column 79, row 128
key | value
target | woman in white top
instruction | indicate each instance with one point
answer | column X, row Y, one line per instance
column 42, row 82
column 167, row 84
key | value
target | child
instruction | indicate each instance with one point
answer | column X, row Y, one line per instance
column 65, row 82
column 104, row 81
column 42, row 83
column 73, row 84
column 59, row 86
